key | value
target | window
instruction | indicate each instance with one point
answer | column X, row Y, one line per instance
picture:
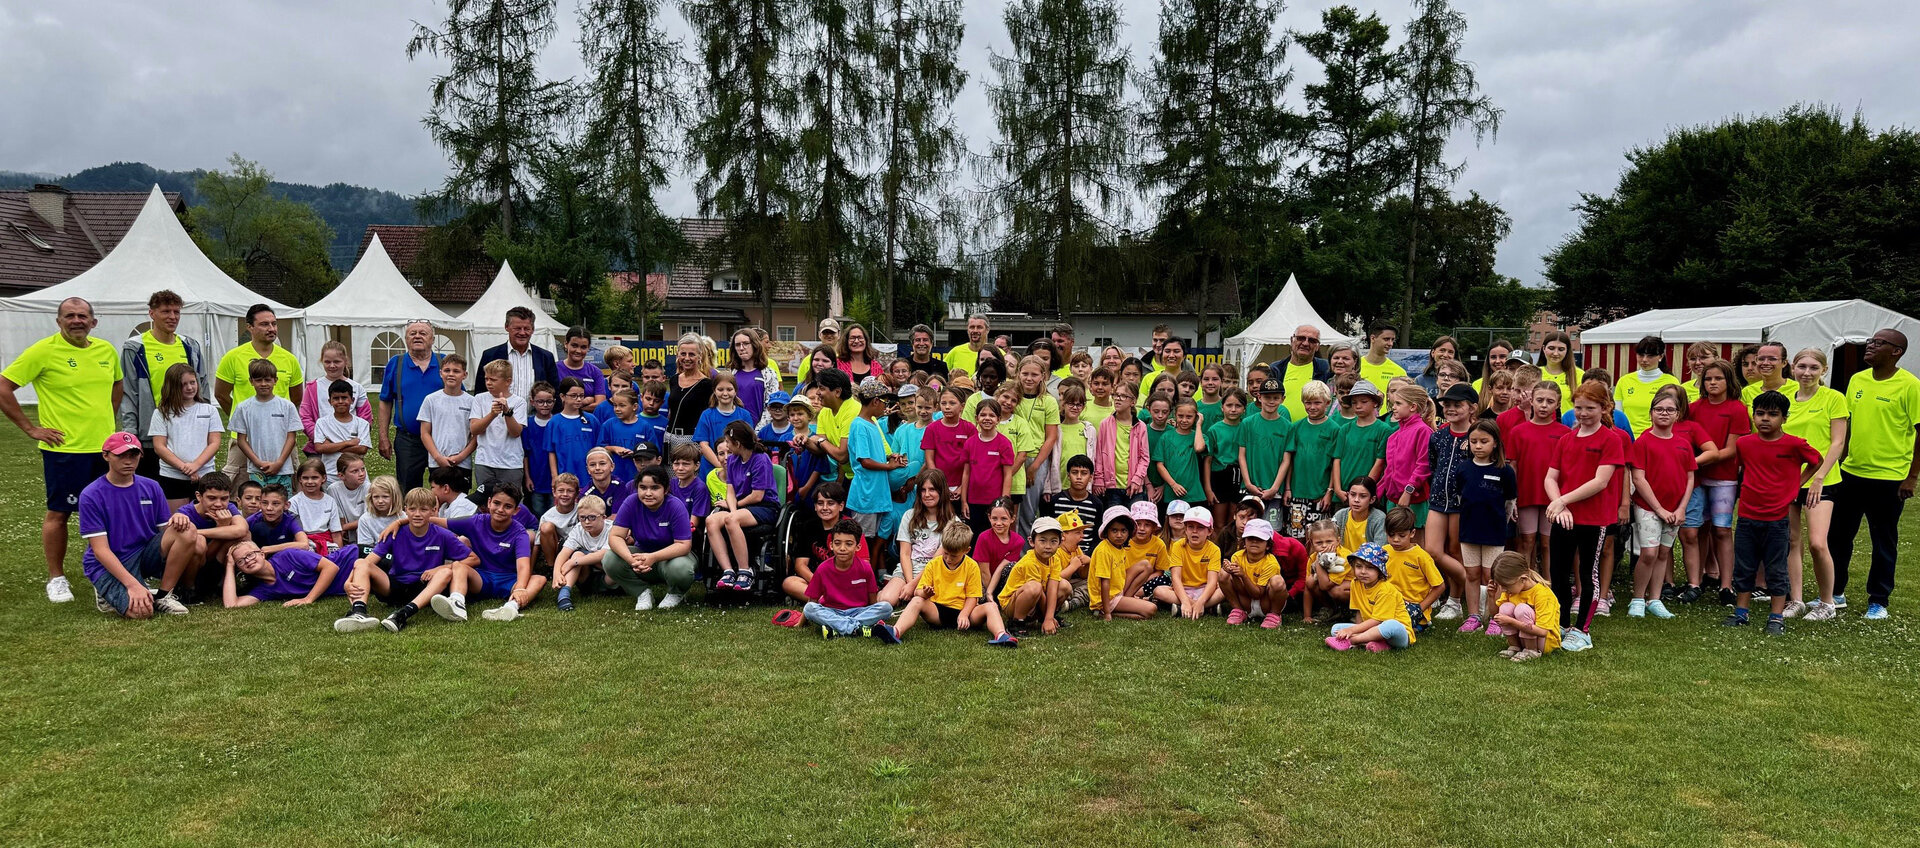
column 696, row 327
column 1101, row 342
column 443, row 345
column 32, row 239
column 729, row 283
column 786, row 334
column 386, row 345
column 417, row 281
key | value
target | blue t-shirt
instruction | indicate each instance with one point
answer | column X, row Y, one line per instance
column 712, row 427
column 806, row 463
column 500, row 552
column 617, row 433
column 410, row 386
column 412, row 555
column 1619, row 420
column 869, row 493
column 778, row 442
column 533, row 440
column 264, row 532
column 1484, row 492
column 128, row 516
column 656, row 431
column 906, row 439
column 614, row 494
column 569, row 440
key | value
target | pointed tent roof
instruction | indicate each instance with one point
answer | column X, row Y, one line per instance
column 489, row 313
column 376, row 294
column 1289, row 309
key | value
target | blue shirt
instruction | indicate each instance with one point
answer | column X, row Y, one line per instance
column 1619, row 421
column 656, row 431
column 712, row 427
column 620, row 434
column 127, row 515
column 569, row 440
column 906, row 439
column 413, row 555
column 266, row 533
column 869, row 492
column 533, row 440
column 807, row 463
column 1484, row 492
column 409, row 386
column 777, row 442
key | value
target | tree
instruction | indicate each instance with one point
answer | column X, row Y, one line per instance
column 1438, row 95
column 1803, row 205
column 837, row 107
column 742, row 138
column 917, row 62
column 1058, row 168
column 1214, row 119
column 241, row 224
column 571, row 226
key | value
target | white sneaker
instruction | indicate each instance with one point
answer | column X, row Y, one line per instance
column 100, row 603
column 501, row 613
column 170, row 605
column 1821, row 611
column 59, row 590
column 447, row 608
column 355, row 623
column 644, row 602
column 671, row 600
column 1575, row 640
column 1449, row 611
column 1794, row 609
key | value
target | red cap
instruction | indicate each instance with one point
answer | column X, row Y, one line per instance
column 120, row 443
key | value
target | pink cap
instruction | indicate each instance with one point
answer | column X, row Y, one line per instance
column 1258, row 528
column 120, row 443
column 1199, row 515
column 1145, row 511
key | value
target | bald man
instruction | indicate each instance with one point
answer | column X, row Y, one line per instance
column 1877, row 476
column 1301, row 366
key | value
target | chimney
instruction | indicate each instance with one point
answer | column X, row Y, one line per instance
column 49, row 201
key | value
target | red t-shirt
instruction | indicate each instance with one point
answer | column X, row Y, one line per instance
column 1508, row 420
column 1772, row 478
column 1293, row 562
column 949, row 446
column 1530, row 448
column 989, row 551
column 1723, row 422
column 842, row 588
column 987, row 461
column 1579, row 459
column 1666, row 463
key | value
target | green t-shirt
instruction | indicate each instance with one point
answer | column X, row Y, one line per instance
column 1812, row 420
column 1209, row 413
column 1360, row 447
column 233, row 370
column 1880, row 440
column 1223, row 444
column 1026, row 441
column 1312, row 446
column 1266, row 444
column 75, row 389
column 160, row 357
column 1175, row 451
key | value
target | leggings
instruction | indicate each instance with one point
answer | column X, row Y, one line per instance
column 977, row 517
column 1576, row 553
column 675, row 574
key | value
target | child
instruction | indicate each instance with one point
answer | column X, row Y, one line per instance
column 497, row 423
column 298, row 577
column 1487, row 493
column 1100, row 386
column 622, row 432
column 349, row 495
column 653, row 397
column 1212, row 378
column 1663, row 464
column 905, row 439
column 405, row 569
column 1077, row 434
column 1519, row 403
column 220, row 526
column 1195, row 560
column 1496, row 395
column 1774, row 467
column 600, row 481
column 991, row 463
column 185, row 433
column 1176, row 460
column 586, row 544
column 264, row 426
column 948, row 594
column 870, row 498
column 842, row 596
column 383, row 509
column 1027, row 438
column 918, row 534
column 1034, row 585
column 318, row 514
column 502, row 565
column 1529, row 614
column 533, row 447
column 1147, row 552
column 1311, row 446
column 1531, row 446
column 777, row 433
column 1384, row 622
column 318, row 392
column 1223, row 453
column 1252, row 576
column 274, row 529
column 1112, row 567
column 1408, row 478
column 713, row 422
column 1360, row 521
column 557, row 521
column 1000, row 546
column 812, row 541
column 571, row 434
column 248, row 496
column 752, row 500
column 1078, row 498
column 946, row 439
column 1410, row 569
column 810, row 467
column 685, row 487
column 1449, row 461
column 1327, row 581
column 1038, row 412
column 340, row 433
column 1584, row 503
column 1725, row 419
column 1362, row 451
column 605, row 411
column 446, row 418
column 1120, row 452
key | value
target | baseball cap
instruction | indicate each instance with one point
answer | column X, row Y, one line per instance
column 1144, row 511
column 1364, row 388
column 1372, row 554
column 828, row 325
column 1070, row 521
column 1460, row 393
column 1272, row 386
column 1259, row 504
column 868, row 392
column 1258, row 528
column 1199, row 515
column 779, row 399
column 1046, row 525
column 907, row 391
column 120, row 443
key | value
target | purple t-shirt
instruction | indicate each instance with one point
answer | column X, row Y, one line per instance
column 654, row 529
column 526, row 518
column 295, row 570
column 127, row 516
column 755, row 473
column 589, row 376
column 499, row 552
column 264, row 532
column 694, row 498
column 413, row 555
column 200, row 521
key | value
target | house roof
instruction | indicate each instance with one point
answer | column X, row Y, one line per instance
column 693, row 276
column 91, row 224
column 403, row 243
column 625, row 281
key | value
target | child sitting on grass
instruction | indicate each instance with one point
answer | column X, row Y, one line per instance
column 949, row 592
column 275, row 529
column 405, row 569
column 1033, row 586
column 1327, row 573
column 1253, row 576
column 1382, row 610
column 557, row 522
column 1107, row 572
column 842, row 595
column 1527, row 611
column 585, row 545
column 1195, row 566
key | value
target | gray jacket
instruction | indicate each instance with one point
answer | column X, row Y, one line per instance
column 136, row 402
column 1376, row 524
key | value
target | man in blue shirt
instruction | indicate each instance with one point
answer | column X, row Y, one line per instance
column 408, row 380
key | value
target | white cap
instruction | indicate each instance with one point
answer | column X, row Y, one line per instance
column 1199, row 515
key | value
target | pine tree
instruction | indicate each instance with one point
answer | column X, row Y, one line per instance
column 917, row 61
column 491, row 109
column 837, row 103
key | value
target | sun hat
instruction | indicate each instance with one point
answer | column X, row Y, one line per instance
column 1145, row 511
column 1046, row 525
column 1371, row 554
column 1258, row 528
column 1116, row 513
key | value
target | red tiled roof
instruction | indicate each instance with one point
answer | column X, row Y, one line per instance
column 626, row 280
column 403, row 243
column 93, row 223
column 693, row 276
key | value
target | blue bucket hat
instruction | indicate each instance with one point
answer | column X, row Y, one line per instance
column 1372, row 554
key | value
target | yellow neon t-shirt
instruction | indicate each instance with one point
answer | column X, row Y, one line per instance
column 1110, row 564
column 1880, row 441
column 952, row 585
column 1029, row 569
column 1379, row 374
column 75, row 389
column 160, row 357
column 1194, row 565
column 1298, row 376
column 1354, row 534
column 1381, row 602
column 1096, row 412
column 1812, row 419
column 1753, row 390
column 1568, row 381
column 1634, row 397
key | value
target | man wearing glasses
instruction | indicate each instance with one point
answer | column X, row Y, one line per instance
column 1877, row 476
column 409, row 378
column 1302, row 365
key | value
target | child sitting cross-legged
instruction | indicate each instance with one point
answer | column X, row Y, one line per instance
column 1253, row 576
column 842, row 595
column 1384, row 622
column 948, row 594
column 1033, row 588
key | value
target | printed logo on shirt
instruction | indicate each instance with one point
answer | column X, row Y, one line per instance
column 431, row 548
column 146, row 502
column 858, row 581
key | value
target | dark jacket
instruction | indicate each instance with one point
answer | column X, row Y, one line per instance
column 136, row 403
column 1322, row 369
column 543, row 366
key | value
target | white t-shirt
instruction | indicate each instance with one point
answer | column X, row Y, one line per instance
column 460, row 507
column 316, row 515
column 350, row 502
column 266, row 425
column 449, row 415
column 925, row 542
column 330, row 429
column 371, row 526
column 561, row 521
column 186, row 436
column 579, row 540
column 497, row 449
column 323, row 387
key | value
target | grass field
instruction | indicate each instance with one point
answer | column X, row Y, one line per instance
column 699, row 726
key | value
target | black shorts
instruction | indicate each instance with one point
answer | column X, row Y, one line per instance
column 176, row 489
column 67, row 474
column 1226, row 484
column 1154, row 582
column 940, row 617
column 399, row 592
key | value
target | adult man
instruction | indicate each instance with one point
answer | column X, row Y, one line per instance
column 967, row 356
column 1161, row 333
column 1877, row 476
column 408, row 380
column 829, row 339
column 531, row 363
column 78, row 381
column 921, row 359
column 1062, row 337
column 144, row 360
column 1375, row 367
column 1301, row 367
column 132, row 536
column 263, row 328
column 579, row 343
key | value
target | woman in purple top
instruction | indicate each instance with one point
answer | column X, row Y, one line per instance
column 651, row 543
column 296, row 575
column 752, row 499
column 505, row 567
column 757, row 378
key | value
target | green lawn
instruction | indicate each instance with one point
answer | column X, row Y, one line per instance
column 698, row 726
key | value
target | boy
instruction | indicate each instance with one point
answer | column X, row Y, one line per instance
column 812, row 541
column 558, row 521
column 585, row 547
column 449, row 484
column 503, row 561
column 653, row 396
column 220, row 527
column 1073, row 532
column 622, row 432
column 349, row 494
column 1362, row 451
column 405, row 569
column 446, row 418
column 571, row 434
column 605, row 411
column 1311, row 446
column 275, row 529
column 1263, row 448
column 1099, row 405
column 342, row 434
column 1411, row 569
column 298, row 577
column 687, row 488
column 496, row 420
column 131, row 537
column 843, row 596
column 777, row 433
column 264, row 426
column 1078, row 499
column 870, row 497
column 948, row 594
column 1034, row 584
column 1774, row 466
column 810, row 467
column 248, row 497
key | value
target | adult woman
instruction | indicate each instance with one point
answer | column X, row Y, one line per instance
column 1819, row 415
column 1112, row 357
column 1344, row 361
column 755, row 375
column 1769, row 374
column 855, row 355
column 1556, row 366
column 651, row 543
column 1443, row 349
column 690, row 389
column 1497, row 355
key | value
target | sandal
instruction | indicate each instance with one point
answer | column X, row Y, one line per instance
column 1508, row 653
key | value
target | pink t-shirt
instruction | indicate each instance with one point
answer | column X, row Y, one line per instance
column 989, row 551
column 987, row 461
column 839, row 588
column 949, row 446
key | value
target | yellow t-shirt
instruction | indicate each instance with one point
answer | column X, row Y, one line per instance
column 963, row 357
column 1693, row 390
column 1884, row 412
column 1074, row 441
column 834, row 427
column 1753, row 390
column 1354, row 534
column 1346, row 568
column 1154, row 552
column 1122, row 449
column 1025, row 442
column 717, row 487
column 1298, row 376
column 1029, row 569
column 952, row 586
column 1382, row 602
column 75, row 388
column 1379, row 374
column 233, row 370
column 1412, row 572
column 160, row 357
column 1259, row 571
column 1568, row 380
column 1096, row 412
column 1109, row 563
column 1546, row 609
column 1634, row 397
column 1812, row 420
column 1194, row 565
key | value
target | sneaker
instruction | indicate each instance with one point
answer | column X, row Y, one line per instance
column 1339, row 644
column 1238, row 616
column 448, row 608
column 1776, row 627
column 1525, row 656
column 394, row 623
column 1794, row 609
column 1494, row 629
column 826, row 633
column 1726, row 597
column 1689, row 594
column 1378, row 646
column 866, row 632
column 1472, row 625
column 1658, row 610
column 644, row 602
column 671, row 600
column 1760, row 596
column 726, row 579
column 100, row 603
column 1839, row 602
column 59, row 590
column 1820, row 611
column 1449, row 611
column 1669, row 592
column 565, row 602
column 1603, row 607
column 501, row 613
column 1271, row 622
column 355, row 623
column 170, row 604
column 1575, row 640
column 1004, row 640
column 1734, row 621
column 1875, row 612
column 885, row 632
column 1637, row 608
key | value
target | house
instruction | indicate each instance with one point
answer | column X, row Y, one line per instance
column 49, row 235
column 706, row 295
column 404, row 244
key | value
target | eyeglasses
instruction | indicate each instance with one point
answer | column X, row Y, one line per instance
column 1313, row 339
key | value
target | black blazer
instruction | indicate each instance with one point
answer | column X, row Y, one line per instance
column 543, row 365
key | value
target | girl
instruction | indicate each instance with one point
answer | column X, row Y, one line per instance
column 945, row 441
column 186, row 434
column 991, row 464
column 1663, row 466
column 317, row 513
column 906, row 436
column 1327, row 573
column 752, row 500
column 1582, row 503
column 1108, row 570
column 1186, row 384
column 1407, row 480
column 714, row 421
column 999, row 547
column 1556, row 366
column 1770, row 373
column 1194, row 567
column 1496, row 397
column 1120, row 451
column 755, row 378
column 820, row 361
column 1819, row 415
column 383, row 509
column 1497, row 354
column 1720, row 413
column 1529, row 614
column 1530, row 449
column 600, row 481
column 1149, row 555
column 1025, row 439
column 1487, row 493
column 1449, row 374
column 1450, row 461
column 1698, row 355
column 1177, row 457
column 1443, row 350
column 1360, row 521
column 854, row 355
column 1039, row 414
column 1222, row 447
column 313, row 398
column 533, row 440
column 919, row 534
column 1382, row 610
column 1131, row 371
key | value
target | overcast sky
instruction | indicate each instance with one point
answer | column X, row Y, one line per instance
column 323, row 92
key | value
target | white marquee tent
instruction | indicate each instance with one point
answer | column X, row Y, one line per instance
column 368, row 312
column 488, row 315
column 155, row 254
column 1831, row 326
column 1270, row 336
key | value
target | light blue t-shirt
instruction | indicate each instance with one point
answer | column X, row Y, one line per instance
column 869, row 493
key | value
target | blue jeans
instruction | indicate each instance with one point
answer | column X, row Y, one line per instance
column 143, row 564
column 847, row 621
column 1395, row 633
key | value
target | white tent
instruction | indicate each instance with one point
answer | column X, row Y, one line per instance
column 368, row 312
column 488, row 315
column 1826, row 325
column 155, row 254
column 1270, row 336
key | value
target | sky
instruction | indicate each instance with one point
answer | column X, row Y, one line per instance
column 323, row 92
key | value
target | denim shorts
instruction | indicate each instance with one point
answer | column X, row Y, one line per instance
column 1717, row 500
column 142, row 564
